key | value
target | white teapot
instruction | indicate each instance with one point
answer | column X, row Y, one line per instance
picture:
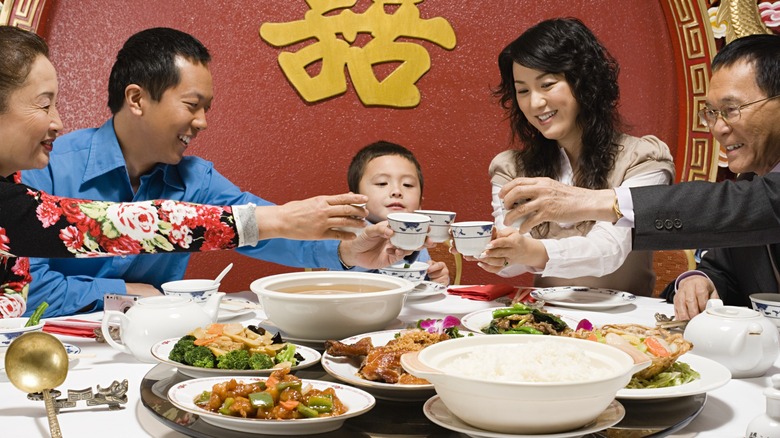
column 153, row 319
column 741, row 339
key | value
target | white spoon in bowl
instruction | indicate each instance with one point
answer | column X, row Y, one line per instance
column 223, row 274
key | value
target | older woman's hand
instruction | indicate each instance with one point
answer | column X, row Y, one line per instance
column 512, row 248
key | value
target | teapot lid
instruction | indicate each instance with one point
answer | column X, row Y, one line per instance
column 163, row 301
column 733, row 312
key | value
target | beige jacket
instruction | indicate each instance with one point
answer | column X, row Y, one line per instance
column 636, row 156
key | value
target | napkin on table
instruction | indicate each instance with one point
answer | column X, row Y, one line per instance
column 72, row 327
column 485, row 292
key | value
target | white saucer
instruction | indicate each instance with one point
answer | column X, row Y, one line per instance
column 438, row 413
column 579, row 297
column 231, row 308
column 426, row 289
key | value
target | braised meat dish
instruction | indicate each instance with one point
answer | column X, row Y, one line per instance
column 383, row 363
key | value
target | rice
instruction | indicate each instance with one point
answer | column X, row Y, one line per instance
column 542, row 361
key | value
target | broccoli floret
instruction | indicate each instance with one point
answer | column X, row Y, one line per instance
column 287, row 354
column 200, row 357
column 234, row 360
column 181, row 348
column 260, row 361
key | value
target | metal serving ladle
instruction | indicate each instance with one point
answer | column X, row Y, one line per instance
column 38, row 362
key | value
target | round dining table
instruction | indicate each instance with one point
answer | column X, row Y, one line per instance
column 726, row 411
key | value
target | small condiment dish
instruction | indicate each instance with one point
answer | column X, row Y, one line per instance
column 12, row 328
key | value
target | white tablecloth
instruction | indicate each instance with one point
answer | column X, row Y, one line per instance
column 726, row 414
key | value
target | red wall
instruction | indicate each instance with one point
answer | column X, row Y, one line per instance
column 267, row 140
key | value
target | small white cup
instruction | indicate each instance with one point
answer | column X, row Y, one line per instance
column 472, row 237
column 409, row 230
column 415, row 272
column 198, row 290
column 440, row 224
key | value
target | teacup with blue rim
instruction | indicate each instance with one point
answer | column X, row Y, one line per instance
column 472, row 237
column 440, row 224
column 409, row 230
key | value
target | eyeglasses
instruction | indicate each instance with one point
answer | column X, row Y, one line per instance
column 730, row 114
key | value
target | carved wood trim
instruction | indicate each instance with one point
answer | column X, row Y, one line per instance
column 696, row 156
column 27, row 14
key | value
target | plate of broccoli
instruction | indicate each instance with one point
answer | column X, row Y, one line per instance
column 201, row 361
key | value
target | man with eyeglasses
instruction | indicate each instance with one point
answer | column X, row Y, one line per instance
column 740, row 219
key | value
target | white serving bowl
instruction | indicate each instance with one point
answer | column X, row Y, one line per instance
column 415, row 272
column 504, row 404
column 472, row 237
column 767, row 304
column 198, row 290
column 328, row 310
column 12, row 328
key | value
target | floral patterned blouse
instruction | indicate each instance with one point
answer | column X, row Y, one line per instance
column 35, row 224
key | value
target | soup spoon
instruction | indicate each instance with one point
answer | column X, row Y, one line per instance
column 223, row 273
column 38, row 362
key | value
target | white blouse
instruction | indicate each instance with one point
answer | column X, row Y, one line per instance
column 600, row 252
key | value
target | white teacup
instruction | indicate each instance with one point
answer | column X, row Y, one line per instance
column 409, row 230
column 440, row 224
column 198, row 290
column 472, row 237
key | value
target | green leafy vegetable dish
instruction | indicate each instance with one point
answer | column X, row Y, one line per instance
column 522, row 319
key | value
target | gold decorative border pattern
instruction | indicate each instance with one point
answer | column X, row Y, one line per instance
column 696, row 156
column 27, row 14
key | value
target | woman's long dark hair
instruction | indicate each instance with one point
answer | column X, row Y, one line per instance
column 565, row 46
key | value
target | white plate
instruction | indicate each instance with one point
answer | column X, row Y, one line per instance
column 162, row 350
column 358, row 402
column 230, row 308
column 437, row 412
column 476, row 321
column 713, row 375
column 345, row 369
column 584, row 297
column 426, row 289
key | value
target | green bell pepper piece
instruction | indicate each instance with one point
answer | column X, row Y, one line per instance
column 307, row 411
column 225, row 408
column 261, row 400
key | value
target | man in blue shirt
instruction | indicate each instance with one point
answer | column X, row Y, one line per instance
column 160, row 89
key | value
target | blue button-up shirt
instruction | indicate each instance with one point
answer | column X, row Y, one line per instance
column 89, row 164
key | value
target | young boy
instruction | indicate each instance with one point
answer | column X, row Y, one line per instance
column 391, row 177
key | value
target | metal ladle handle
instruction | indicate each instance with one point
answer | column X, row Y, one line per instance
column 54, row 425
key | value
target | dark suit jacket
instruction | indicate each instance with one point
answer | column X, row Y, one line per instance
column 701, row 214
column 737, row 273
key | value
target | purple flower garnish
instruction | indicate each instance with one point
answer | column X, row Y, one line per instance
column 584, row 324
column 438, row 326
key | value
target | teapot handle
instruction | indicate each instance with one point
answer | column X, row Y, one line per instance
column 108, row 315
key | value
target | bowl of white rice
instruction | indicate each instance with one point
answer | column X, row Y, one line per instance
column 524, row 384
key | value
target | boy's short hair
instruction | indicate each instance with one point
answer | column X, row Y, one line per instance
column 357, row 168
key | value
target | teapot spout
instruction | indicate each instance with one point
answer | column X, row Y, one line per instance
column 212, row 305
